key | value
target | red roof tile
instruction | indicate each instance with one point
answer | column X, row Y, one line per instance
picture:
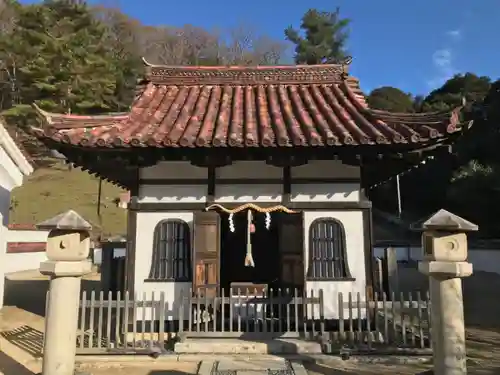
column 21, row 226
column 26, row 247
column 315, row 105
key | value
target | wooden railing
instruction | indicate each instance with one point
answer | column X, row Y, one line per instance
column 131, row 324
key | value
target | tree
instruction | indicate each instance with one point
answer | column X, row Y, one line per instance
column 391, row 99
column 190, row 45
column 466, row 86
column 63, row 64
column 122, row 39
column 324, row 40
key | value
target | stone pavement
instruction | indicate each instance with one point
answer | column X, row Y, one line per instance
column 251, row 367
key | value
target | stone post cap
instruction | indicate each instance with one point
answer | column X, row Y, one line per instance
column 443, row 220
column 69, row 220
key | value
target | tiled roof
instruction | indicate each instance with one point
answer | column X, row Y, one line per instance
column 317, row 105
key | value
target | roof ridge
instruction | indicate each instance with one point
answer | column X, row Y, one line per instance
column 346, row 62
column 245, row 75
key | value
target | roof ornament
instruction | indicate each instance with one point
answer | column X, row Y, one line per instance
column 345, row 64
column 346, row 61
column 149, row 65
column 42, row 113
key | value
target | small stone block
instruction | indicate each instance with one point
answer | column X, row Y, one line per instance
column 254, row 365
column 298, row 368
column 206, row 367
column 60, row 268
column 447, row 269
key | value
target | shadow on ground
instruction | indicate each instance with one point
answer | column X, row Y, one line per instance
column 26, row 338
column 10, row 367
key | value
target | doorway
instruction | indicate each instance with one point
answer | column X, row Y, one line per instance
column 265, row 251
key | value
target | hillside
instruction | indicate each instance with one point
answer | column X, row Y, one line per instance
column 55, row 189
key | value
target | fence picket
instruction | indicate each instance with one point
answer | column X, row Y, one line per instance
column 82, row 321
column 204, row 317
column 152, row 320
column 239, row 309
column 134, row 321
column 376, row 318
column 100, row 319
column 117, row 319
column 368, row 311
column 420, row 323
column 412, row 320
column 108, row 320
column 351, row 319
column 161, row 320
column 91, row 319
column 402, row 317
column 143, row 321
column 223, row 310
column 305, row 315
column 296, row 310
column 360, row 323
column 271, row 313
column 386, row 318
column 190, row 309
column 342, row 337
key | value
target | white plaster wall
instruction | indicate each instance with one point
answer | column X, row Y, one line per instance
column 249, row 169
column 27, row 235
column 24, row 261
column 325, row 169
column 173, row 170
column 353, row 225
column 11, row 176
column 15, row 262
column 3, row 260
column 173, row 291
column 487, row 260
column 248, row 193
column 337, row 192
column 172, row 194
column 6, row 185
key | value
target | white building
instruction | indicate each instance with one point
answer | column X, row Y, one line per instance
column 201, row 143
column 14, row 166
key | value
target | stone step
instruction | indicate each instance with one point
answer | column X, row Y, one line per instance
column 276, row 366
column 235, row 346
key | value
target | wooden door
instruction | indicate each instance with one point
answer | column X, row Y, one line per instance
column 292, row 251
column 206, row 253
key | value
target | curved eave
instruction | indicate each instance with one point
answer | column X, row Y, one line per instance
column 58, row 121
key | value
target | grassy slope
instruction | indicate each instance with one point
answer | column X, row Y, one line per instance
column 50, row 191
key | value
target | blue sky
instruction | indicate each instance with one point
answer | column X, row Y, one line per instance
column 412, row 45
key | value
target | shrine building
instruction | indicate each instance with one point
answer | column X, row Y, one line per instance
column 248, row 177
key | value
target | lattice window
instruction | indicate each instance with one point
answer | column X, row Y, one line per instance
column 171, row 259
column 327, row 250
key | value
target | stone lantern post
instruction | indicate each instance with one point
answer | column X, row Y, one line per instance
column 68, row 248
column 444, row 242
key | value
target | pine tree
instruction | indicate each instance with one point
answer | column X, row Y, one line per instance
column 324, row 40
column 62, row 63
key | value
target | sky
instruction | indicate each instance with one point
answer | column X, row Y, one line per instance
column 413, row 45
